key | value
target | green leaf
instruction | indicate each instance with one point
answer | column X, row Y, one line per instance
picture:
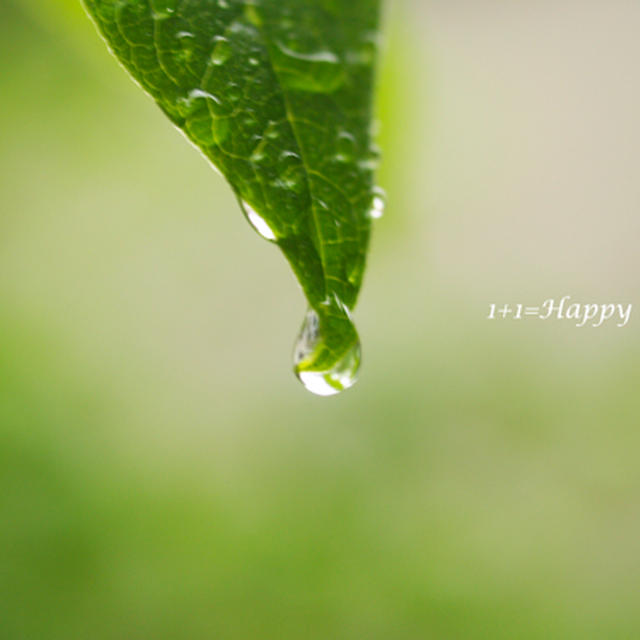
column 277, row 94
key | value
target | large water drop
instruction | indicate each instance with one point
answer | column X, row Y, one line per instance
column 258, row 222
column 317, row 366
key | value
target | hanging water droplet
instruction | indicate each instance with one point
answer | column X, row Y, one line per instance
column 314, row 363
column 258, row 222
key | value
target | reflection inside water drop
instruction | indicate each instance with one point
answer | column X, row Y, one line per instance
column 258, row 222
column 326, row 380
column 329, row 383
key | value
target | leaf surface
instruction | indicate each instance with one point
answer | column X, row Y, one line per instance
column 277, row 94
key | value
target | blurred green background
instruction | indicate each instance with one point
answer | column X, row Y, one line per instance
column 162, row 473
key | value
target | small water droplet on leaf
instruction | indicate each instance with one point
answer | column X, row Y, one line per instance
column 221, row 51
column 316, row 71
column 258, row 222
column 346, row 145
column 186, row 41
column 323, row 365
column 377, row 203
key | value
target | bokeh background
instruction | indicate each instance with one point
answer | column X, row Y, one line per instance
column 162, row 473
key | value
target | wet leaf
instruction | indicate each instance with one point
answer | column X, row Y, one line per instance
column 277, row 94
